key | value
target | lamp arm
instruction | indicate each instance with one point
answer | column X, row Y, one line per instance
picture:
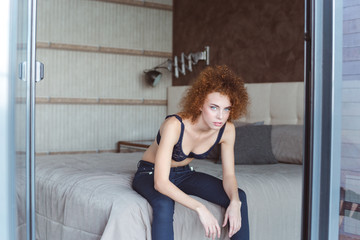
column 204, row 55
column 177, row 68
column 189, row 63
column 192, row 59
column 168, row 65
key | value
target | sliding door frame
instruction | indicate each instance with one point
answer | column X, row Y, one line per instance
column 7, row 129
column 10, row 72
column 30, row 120
column 323, row 76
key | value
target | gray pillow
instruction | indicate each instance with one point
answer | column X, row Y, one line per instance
column 253, row 145
column 287, row 143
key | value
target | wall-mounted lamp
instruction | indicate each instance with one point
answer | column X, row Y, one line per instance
column 152, row 76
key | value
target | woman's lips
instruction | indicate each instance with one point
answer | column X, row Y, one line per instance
column 218, row 124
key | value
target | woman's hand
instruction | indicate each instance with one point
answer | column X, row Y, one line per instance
column 233, row 216
column 209, row 222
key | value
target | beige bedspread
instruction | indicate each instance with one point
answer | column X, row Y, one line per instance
column 89, row 196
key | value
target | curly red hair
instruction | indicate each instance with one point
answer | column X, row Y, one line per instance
column 215, row 79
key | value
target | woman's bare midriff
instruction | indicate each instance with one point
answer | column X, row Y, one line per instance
column 150, row 153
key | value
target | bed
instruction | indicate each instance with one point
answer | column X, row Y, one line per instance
column 89, row 196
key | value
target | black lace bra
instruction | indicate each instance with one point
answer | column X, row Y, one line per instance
column 178, row 154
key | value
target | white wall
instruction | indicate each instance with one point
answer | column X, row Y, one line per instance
column 81, row 77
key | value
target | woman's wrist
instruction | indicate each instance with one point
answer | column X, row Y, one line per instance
column 199, row 208
column 235, row 201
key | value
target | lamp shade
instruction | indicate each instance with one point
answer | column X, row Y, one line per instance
column 152, row 77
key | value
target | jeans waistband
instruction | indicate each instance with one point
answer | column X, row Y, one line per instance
column 143, row 163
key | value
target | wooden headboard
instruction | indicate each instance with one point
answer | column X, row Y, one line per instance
column 273, row 103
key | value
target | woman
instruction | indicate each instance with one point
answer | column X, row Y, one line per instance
column 216, row 98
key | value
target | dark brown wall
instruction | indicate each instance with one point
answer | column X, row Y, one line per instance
column 261, row 40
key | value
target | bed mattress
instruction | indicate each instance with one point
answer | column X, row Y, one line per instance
column 89, row 196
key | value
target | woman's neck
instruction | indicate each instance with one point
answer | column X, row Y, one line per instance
column 199, row 126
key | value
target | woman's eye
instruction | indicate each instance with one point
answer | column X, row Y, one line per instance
column 213, row 107
column 227, row 109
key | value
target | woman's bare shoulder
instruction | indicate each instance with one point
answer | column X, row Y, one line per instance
column 229, row 133
column 170, row 124
column 229, row 128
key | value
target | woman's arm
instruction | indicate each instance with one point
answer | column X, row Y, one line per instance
column 232, row 214
column 170, row 132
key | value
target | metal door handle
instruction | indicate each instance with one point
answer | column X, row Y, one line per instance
column 39, row 71
column 22, row 71
column 39, row 74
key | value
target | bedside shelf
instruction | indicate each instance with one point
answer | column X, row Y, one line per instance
column 143, row 144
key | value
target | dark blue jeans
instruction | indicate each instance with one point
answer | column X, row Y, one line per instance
column 191, row 182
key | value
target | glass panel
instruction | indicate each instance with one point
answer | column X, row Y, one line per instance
column 349, row 225
column 20, row 119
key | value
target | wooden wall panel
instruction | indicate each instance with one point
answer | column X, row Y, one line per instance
column 86, row 100
column 96, row 75
column 106, row 24
column 74, row 128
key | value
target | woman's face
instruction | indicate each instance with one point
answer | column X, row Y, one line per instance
column 216, row 110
